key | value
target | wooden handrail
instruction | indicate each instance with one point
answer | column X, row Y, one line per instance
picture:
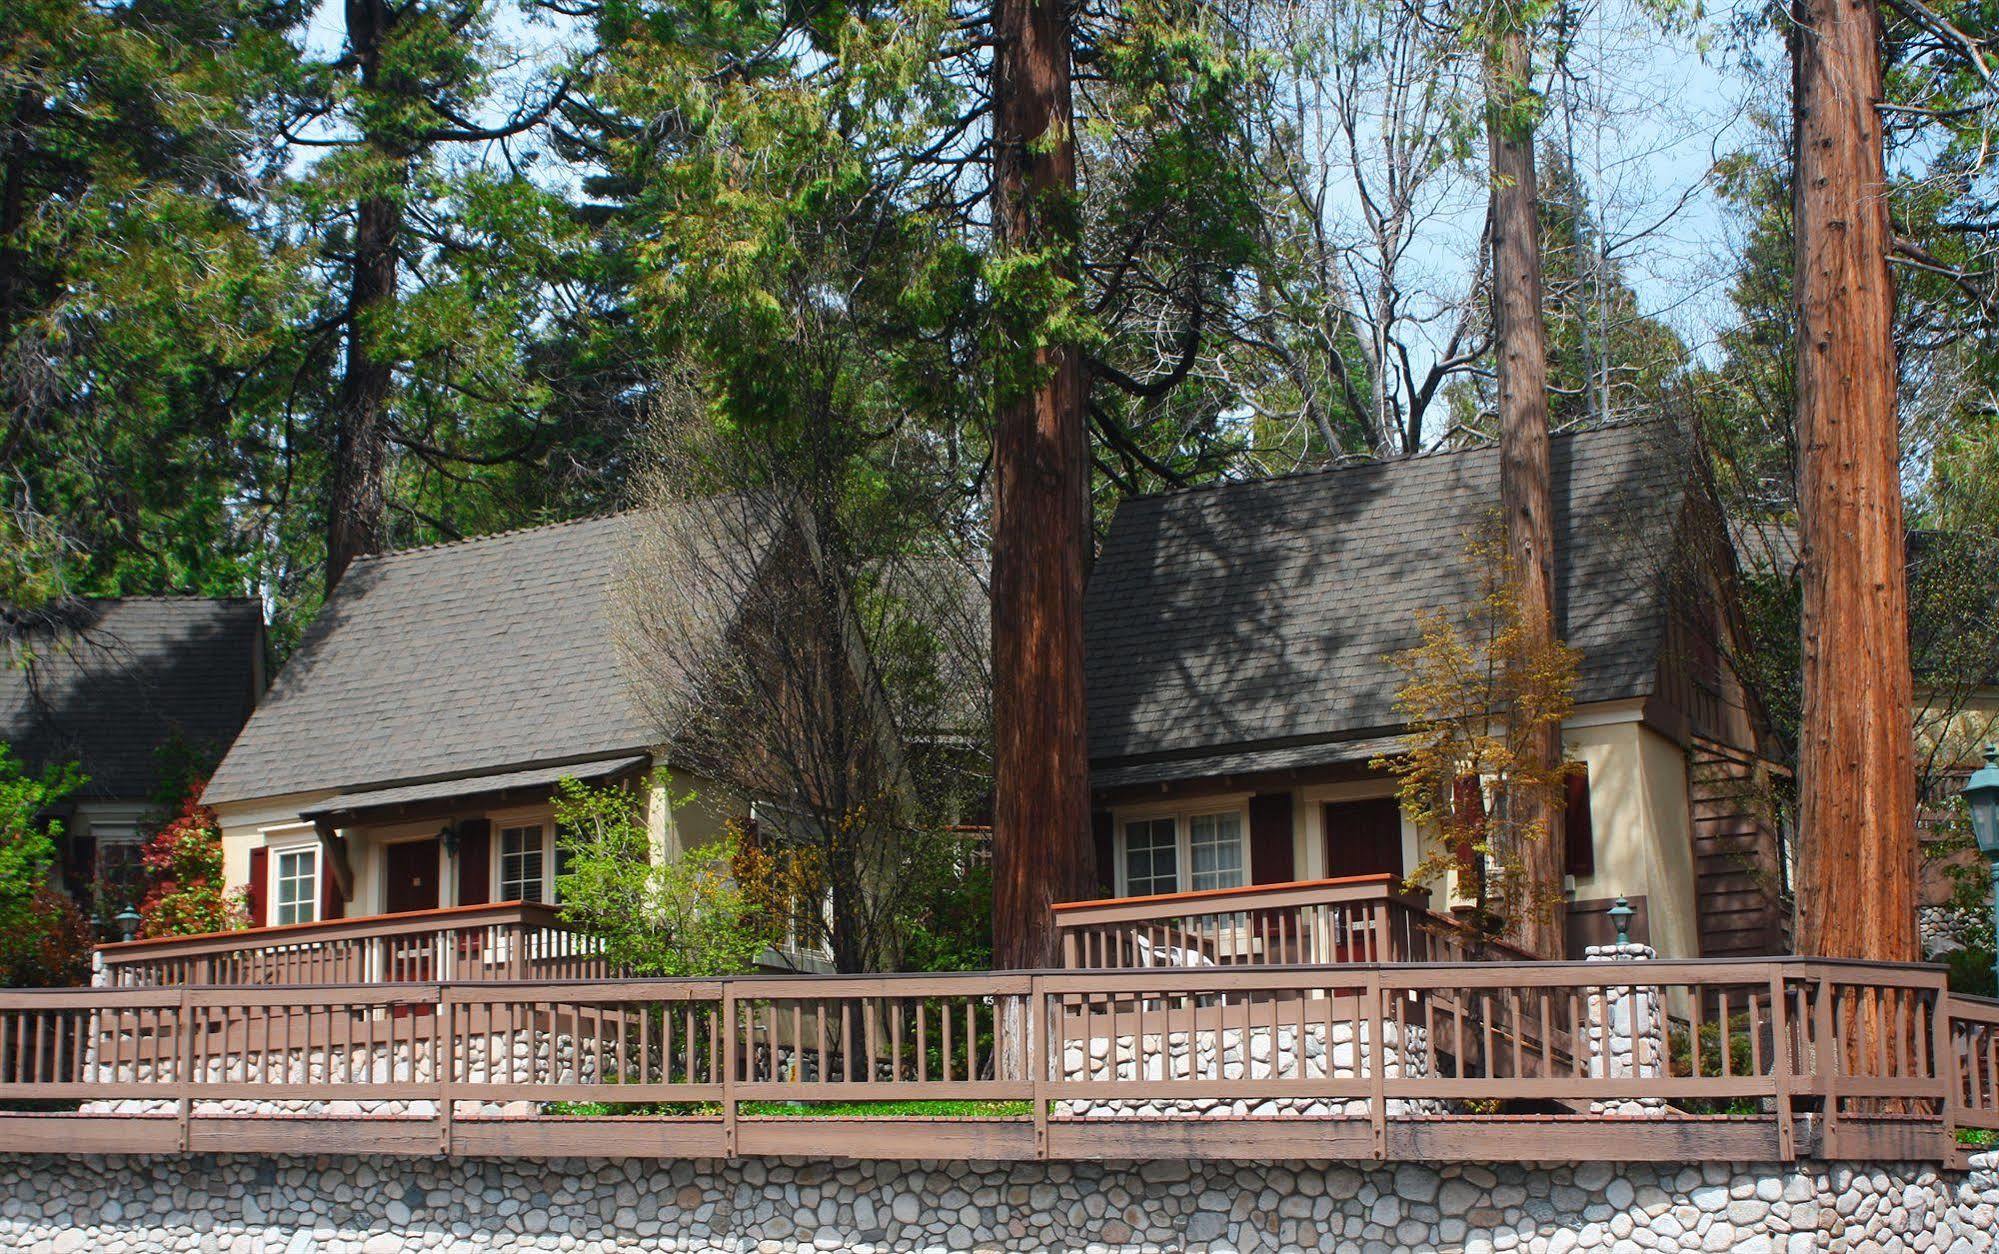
column 362, row 927
column 1200, row 897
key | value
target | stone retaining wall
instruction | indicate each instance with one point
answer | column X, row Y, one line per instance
column 342, row 1205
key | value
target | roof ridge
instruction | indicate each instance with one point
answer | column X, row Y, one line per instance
column 1372, row 463
column 507, row 533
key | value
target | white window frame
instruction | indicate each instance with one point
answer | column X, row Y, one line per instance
column 504, row 823
column 278, row 854
column 1183, row 816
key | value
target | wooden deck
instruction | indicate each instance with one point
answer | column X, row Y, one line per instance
column 1774, row 1060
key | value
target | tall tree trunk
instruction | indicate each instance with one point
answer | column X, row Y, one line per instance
column 1856, row 768
column 1042, row 851
column 1520, row 345
column 357, row 508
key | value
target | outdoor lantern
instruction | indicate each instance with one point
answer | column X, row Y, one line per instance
column 1620, row 913
column 128, row 923
column 1981, row 793
column 1981, row 796
column 449, row 837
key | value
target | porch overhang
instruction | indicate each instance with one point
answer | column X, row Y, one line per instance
column 412, row 800
column 1245, row 761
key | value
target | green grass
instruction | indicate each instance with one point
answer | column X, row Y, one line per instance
column 1979, row 1137
column 808, row 1110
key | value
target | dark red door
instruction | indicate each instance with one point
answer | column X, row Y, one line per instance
column 409, row 876
column 1364, row 837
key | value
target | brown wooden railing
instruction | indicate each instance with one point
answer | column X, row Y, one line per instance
column 1760, row 1060
column 510, row 941
column 1365, row 918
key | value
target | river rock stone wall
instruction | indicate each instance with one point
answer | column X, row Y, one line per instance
column 374, row 1205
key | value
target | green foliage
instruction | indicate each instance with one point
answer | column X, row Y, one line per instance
column 681, row 916
column 35, row 920
column 186, row 894
column 950, row 928
column 1478, row 696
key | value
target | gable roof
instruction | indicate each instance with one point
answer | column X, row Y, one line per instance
column 450, row 660
column 107, row 682
column 1259, row 618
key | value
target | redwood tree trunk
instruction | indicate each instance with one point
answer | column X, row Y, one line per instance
column 1042, row 852
column 1520, row 347
column 1856, row 768
column 357, row 505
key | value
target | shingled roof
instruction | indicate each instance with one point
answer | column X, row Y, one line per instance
column 108, row 682
column 482, row 655
column 1256, row 620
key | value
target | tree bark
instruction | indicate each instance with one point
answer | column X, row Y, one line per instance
column 1856, row 766
column 357, row 506
column 1520, row 346
column 1042, row 852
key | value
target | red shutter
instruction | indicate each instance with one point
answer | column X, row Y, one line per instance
column 79, row 868
column 331, row 904
column 1468, row 798
column 1103, row 833
column 1270, row 855
column 260, row 859
column 1579, row 836
column 475, row 862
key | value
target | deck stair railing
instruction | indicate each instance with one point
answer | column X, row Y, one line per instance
column 1366, row 918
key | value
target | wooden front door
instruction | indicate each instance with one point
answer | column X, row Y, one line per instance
column 409, row 876
column 1363, row 837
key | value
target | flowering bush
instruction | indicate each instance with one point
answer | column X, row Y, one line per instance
column 184, row 866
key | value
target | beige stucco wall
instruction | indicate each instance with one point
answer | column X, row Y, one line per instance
column 1643, row 825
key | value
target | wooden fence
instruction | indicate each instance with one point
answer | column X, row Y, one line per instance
column 1768, row 1060
column 513, row 940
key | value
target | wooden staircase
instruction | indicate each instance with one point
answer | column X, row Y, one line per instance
column 1740, row 911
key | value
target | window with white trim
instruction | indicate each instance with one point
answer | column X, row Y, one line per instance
column 523, row 856
column 1151, row 857
column 295, row 882
column 1175, row 853
column 1214, row 851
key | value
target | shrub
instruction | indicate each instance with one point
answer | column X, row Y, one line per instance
column 685, row 916
column 185, row 896
column 36, row 920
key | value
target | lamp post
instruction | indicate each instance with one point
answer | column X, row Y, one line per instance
column 1981, row 795
column 1620, row 913
column 128, row 921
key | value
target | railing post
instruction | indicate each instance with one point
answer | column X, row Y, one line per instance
column 1376, row 1056
column 1943, row 1052
column 186, row 1070
column 1781, row 1064
column 729, row 1062
column 1037, row 1062
column 1825, row 1057
column 443, row 1069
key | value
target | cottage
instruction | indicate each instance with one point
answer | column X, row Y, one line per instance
column 117, row 685
column 1239, row 643
column 406, row 755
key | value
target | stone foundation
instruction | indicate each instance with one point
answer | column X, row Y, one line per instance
column 348, row 1205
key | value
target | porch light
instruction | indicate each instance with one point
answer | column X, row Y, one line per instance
column 1981, row 796
column 449, row 836
column 128, row 923
column 1620, row 913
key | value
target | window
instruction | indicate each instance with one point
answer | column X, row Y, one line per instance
column 1178, row 853
column 297, row 885
column 1151, row 857
column 1214, row 850
column 521, row 858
